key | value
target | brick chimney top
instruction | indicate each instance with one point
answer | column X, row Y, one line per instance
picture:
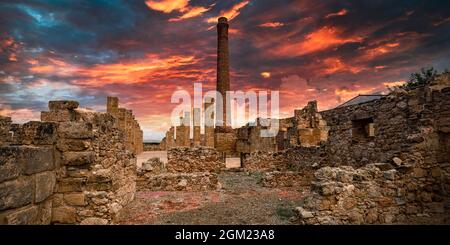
column 222, row 20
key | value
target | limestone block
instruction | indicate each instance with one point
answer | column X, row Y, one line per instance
column 58, row 116
column 45, row 212
column 70, row 185
column 34, row 132
column 62, row 105
column 73, row 144
column 24, row 159
column 75, row 130
column 103, row 186
column 16, row 193
column 45, row 184
column 23, row 216
column 36, row 159
column 9, row 166
column 64, row 215
column 78, row 158
column 75, row 199
column 94, row 221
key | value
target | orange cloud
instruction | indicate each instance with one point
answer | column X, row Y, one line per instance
column 334, row 65
column 19, row 115
column 265, row 74
column 271, row 25
column 167, row 6
column 55, row 67
column 342, row 12
column 191, row 13
column 125, row 72
column 182, row 6
column 9, row 47
column 321, row 39
column 231, row 13
column 381, row 49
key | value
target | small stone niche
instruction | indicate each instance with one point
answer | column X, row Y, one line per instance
column 363, row 130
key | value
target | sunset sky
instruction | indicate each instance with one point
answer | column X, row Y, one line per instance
column 142, row 51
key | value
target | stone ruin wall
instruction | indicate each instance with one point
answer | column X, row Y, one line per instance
column 152, row 147
column 134, row 136
column 306, row 128
column 28, row 166
column 409, row 132
column 373, row 194
column 187, row 169
column 70, row 168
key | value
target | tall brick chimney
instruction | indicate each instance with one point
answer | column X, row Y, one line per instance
column 223, row 75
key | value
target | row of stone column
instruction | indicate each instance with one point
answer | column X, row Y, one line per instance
column 134, row 136
column 179, row 136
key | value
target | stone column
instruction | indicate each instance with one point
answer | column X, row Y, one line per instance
column 223, row 76
column 112, row 105
column 209, row 125
column 196, row 123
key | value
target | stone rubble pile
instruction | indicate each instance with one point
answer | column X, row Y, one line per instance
column 199, row 181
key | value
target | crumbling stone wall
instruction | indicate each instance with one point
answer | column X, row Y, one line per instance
column 401, row 121
column 225, row 140
column 73, row 167
column 409, row 129
column 373, row 194
column 28, row 174
column 188, row 160
column 134, row 136
column 293, row 159
column 187, row 169
column 152, row 147
column 249, row 139
column 97, row 174
column 5, row 125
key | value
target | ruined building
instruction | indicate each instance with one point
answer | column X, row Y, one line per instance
column 133, row 133
column 306, row 128
column 74, row 166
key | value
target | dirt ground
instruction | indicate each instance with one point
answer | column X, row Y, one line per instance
column 240, row 201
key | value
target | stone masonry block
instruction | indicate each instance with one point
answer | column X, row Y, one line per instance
column 45, row 184
column 58, row 116
column 23, row 216
column 75, row 199
column 62, row 105
column 73, row 144
column 36, row 159
column 78, row 158
column 15, row 160
column 75, row 130
column 16, row 193
column 9, row 166
column 70, row 185
column 64, row 215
